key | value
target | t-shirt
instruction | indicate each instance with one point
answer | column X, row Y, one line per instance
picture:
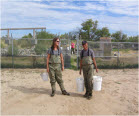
column 55, row 52
column 85, row 53
column 72, row 45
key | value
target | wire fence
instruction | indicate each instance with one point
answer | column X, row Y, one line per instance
column 113, row 54
column 26, row 53
column 30, row 55
column 18, row 52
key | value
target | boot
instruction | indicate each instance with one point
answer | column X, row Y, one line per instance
column 86, row 94
column 53, row 93
column 65, row 93
column 89, row 96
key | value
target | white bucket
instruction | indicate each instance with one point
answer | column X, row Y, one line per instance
column 68, row 48
column 44, row 76
column 97, row 82
column 80, row 84
column 61, row 48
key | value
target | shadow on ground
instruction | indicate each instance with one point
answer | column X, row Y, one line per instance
column 41, row 91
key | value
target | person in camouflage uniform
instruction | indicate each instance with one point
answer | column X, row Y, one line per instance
column 87, row 59
column 54, row 61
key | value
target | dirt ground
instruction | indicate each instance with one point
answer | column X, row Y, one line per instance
column 23, row 92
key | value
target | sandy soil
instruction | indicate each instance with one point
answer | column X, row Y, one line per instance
column 23, row 92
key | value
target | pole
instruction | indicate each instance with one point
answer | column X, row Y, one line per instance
column 118, row 56
column 34, row 34
column 12, row 51
column 8, row 33
column 77, row 38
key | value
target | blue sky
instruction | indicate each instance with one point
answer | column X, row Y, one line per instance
column 67, row 15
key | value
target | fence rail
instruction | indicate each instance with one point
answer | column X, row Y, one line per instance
column 23, row 53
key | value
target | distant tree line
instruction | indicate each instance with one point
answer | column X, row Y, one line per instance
column 89, row 31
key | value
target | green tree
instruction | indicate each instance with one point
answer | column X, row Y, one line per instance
column 133, row 39
column 89, row 28
column 44, row 35
column 119, row 36
column 98, row 34
column 64, row 36
column 28, row 36
column 24, row 43
column 104, row 32
column 43, row 45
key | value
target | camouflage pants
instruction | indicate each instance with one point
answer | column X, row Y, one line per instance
column 55, row 75
column 88, row 72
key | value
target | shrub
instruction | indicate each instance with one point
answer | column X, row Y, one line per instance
column 15, row 50
column 40, row 49
column 3, row 44
column 24, row 43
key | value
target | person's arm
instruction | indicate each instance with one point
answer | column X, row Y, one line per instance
column 94, row 61
column 62, row 61
column 80, row 67
column 47, row 63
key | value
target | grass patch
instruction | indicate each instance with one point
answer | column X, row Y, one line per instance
column 122, row 50
column 106, row 66
column 27, row 62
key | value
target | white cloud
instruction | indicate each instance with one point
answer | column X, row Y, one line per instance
column 35, row 14
column 91, row 6
column 123, row 7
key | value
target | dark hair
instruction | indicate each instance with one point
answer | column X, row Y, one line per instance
column 84, row 42
column 54, row 40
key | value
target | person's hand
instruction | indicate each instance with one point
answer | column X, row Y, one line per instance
column 62, row 68
column 80, row 72
column 97, row 70
column 48, row 70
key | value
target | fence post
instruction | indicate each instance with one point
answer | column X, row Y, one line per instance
column 12, row 51
column 118, row 56
column 8, row 33
column 77, row 38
